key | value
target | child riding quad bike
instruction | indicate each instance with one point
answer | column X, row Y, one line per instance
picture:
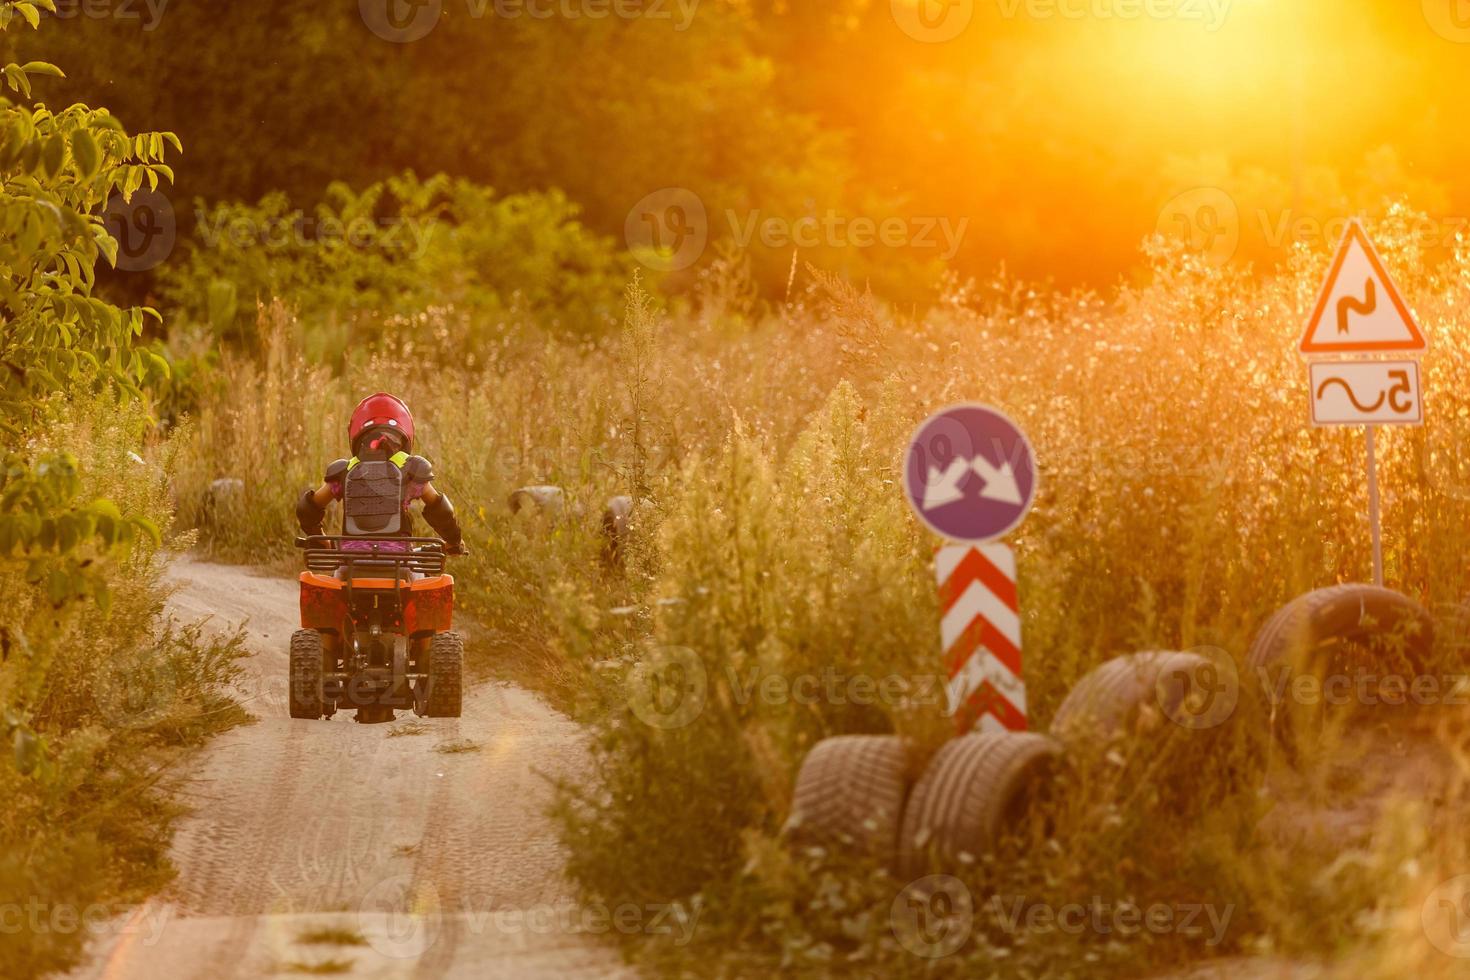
column 376, row 605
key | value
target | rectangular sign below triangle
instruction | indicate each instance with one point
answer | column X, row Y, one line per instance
column 1360, row 310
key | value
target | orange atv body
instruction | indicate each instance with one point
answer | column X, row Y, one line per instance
column 377, row 630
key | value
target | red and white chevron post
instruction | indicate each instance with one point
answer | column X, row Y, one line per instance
column 980, row 630
column 970, row 476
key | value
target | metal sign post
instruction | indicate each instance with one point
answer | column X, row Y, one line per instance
column 970, row 475
column 1373, row 518
column 1361, row 314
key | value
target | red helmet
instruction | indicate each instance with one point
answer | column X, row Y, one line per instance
column 381, row 409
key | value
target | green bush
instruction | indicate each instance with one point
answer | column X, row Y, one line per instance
column 362, row 265
column 92, row 702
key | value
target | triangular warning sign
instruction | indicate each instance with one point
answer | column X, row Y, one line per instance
column 1360, row 310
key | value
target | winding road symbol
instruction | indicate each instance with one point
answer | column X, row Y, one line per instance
column 1351, row 304
column 1397, row 396
column 1366, row 393
column 1361, row 301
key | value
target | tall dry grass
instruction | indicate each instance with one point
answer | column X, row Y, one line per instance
column 1184, row 497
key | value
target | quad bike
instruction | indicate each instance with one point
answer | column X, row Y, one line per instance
column 375, row 630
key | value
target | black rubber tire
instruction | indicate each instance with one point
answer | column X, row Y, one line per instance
column 1106, row 703
column 1340, row 612
column 1305, row 637
column 850, row 793
column 973, row 787
column 305, row 694
column 446, row 676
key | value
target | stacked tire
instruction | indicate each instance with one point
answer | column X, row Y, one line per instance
column 1353, row 633
column 859, row 793
column 856, row 793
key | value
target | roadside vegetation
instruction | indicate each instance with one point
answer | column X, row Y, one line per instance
column 1182, row 503
column 772, row 590
column 97, row 691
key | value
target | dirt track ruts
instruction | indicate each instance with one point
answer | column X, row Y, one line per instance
column 444, row 862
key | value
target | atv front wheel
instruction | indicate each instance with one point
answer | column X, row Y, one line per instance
column 306, row 674
column 446, row 670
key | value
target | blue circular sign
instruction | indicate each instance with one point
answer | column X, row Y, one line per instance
column 970, row 473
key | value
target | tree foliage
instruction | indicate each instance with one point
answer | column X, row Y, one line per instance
column 58, row 170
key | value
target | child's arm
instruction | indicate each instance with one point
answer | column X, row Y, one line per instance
column 311, row 509
column 439, row 513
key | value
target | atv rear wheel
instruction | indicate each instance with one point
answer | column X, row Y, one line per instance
column 306, row 674
column 446, row 670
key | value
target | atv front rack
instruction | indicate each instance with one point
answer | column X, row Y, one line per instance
column 324, row 553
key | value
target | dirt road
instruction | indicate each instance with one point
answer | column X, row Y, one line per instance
column 423, row 843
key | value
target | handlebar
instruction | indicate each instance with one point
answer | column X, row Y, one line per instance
column 416, row 545
column 326, row 552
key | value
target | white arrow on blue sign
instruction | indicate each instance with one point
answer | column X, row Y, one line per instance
column 970, row 473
